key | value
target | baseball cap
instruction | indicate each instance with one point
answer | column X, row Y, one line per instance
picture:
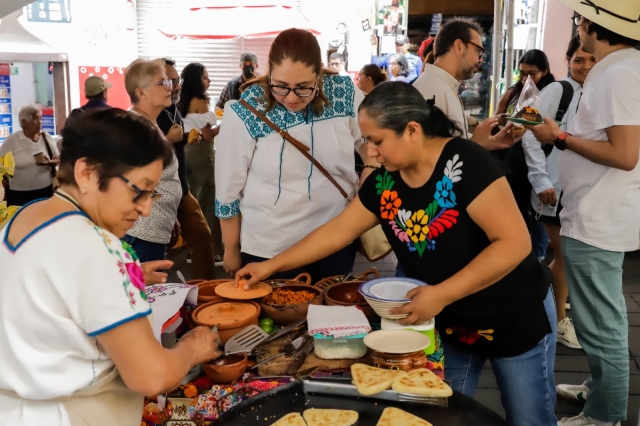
column 402, row 39
column 95, row 85
column 249, row 57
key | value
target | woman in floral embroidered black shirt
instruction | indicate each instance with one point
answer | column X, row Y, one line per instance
column 452, row 221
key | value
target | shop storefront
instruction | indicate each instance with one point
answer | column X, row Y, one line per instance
column 79, row 42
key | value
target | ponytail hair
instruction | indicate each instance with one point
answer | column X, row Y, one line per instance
column 375, row 72
column 393, row 105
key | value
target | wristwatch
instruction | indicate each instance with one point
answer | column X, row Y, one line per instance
column 561, row 143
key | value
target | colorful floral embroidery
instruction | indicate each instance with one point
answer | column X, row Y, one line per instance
column 127, row 262
column 389, row 204
column 469, row 337
column 421, row 228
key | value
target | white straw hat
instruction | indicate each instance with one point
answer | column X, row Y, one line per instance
column 620, row 16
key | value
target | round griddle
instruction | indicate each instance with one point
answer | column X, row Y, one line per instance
column 266, row 408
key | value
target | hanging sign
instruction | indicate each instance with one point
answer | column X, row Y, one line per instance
column 49, row 11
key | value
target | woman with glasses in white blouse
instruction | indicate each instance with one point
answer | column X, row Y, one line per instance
column 268, row 194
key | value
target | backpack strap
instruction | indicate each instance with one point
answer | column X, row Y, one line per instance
column 563, row 106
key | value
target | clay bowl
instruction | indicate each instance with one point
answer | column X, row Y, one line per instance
column 287, row 314
column 227, row 369
column 404, row 362
column 228, row 316
column 347, row 294
column 195, row 282
column 207, row 291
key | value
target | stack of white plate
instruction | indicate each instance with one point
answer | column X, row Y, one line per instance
column 385, row 294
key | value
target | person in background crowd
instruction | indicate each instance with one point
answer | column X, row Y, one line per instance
column 398, row 68
column 193, row 225
column 402, row 44
column 150, row 92
column 369, row 77
column 194, row 107
column 77, row 345
column 535, row 65
column 33, row 177
column 268, row 195
column 488, row 293
column 249, row 65
column 96, row 90
column 600, row 177
column 459, row 53
column 336, row 63
column 544, row 174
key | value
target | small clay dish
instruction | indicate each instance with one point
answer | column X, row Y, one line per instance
column 207, row 291
column 228, row 316
column 227, row 369
column 229, row 290
column 347, row 294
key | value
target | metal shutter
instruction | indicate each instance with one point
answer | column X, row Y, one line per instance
column 221, row 57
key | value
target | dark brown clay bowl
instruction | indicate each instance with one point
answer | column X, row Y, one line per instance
column 404, row 362
column 227, row 369
column 347, row 294
column 287, row 314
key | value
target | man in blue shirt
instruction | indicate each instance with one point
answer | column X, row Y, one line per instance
column 95, row 90
column 402, row 46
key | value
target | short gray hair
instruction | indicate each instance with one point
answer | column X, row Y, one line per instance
column 27, row 112
column 139, row 74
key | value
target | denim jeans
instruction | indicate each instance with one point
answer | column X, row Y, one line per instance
column 539, row 237
column 599, row 313
column 526, row 381
column 146, row 250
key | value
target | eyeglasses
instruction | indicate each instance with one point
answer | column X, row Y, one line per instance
column 176, row 82
column 577, row 18
column 531, row 74
column 142, row 194
column 481, row 50
column 302, row 92
column 168, row 84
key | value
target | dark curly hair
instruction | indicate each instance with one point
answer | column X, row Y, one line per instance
column 192, row 87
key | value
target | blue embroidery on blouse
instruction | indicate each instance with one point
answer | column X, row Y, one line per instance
column 338, row 89
column 227, row 211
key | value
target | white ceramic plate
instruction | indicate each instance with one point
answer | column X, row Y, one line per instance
column 389, row 289
column 396, row 341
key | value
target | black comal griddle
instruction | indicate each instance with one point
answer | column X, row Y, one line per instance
column 267, row 407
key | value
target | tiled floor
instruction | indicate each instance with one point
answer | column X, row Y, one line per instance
column 571, row 365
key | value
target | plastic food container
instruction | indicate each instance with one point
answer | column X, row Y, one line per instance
column 426, row 328
column 351, row 347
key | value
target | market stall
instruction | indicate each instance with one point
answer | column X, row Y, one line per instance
column 298, row 346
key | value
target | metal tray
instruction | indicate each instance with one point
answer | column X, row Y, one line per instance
column 266, row 408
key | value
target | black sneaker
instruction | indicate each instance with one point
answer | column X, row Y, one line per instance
column 218, row 259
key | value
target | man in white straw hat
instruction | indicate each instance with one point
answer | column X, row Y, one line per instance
column 600, row 176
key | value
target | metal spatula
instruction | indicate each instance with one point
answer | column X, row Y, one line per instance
column 245, row 340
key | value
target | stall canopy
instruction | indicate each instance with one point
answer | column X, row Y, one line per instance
column 17, row 44
column 8, row 6
column 227, row 19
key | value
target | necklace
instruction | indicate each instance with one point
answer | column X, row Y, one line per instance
column 68, row 198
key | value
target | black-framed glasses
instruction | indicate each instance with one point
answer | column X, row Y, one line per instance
column 301, row 92
column 175, row 82
column 167, row 84
column 142, row 194
column 481, row 50
column 576, row 19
